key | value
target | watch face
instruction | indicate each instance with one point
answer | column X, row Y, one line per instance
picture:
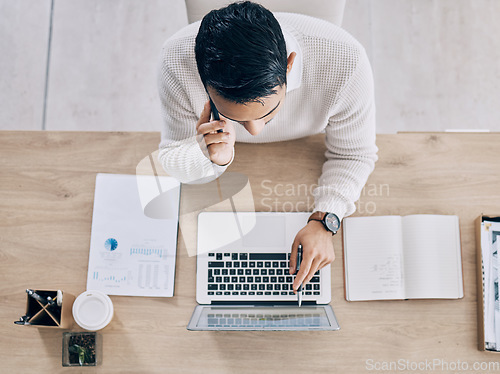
column 332, row 222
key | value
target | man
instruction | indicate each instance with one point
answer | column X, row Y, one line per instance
column 271, row 78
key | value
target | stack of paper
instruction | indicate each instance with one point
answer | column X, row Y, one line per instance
column 490, row 243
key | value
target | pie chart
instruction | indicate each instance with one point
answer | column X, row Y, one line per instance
column 110, row 244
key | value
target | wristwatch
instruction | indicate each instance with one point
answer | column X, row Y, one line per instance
column 329, row 220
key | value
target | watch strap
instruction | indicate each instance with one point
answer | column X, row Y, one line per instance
column 320, row 217
column 317, row 216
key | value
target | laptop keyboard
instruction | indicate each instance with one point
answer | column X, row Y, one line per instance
column 254, row 274
column 264, row 320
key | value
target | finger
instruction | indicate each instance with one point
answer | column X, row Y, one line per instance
column 203, row 146
column 220, row 137
column 323, row 264
column 314, row 268
column 205, row 115
column 293, row 255
column 211, row 127
column 304, row 270
column 327, row 261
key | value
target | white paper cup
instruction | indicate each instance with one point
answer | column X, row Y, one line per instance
column 92, row 310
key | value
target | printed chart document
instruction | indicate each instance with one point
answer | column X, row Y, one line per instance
column 131, row 253
column 394, row 257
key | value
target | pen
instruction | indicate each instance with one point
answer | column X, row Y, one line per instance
column 24, row 320
column 215, row 113
column 51, row 301
column 54, row 306
column 299, row 260
column 36, row 296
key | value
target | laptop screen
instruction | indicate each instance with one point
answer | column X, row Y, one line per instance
column 264, row 318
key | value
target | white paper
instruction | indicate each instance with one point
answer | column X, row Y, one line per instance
column 130, row 253
column 433, row 261
column 374, row 259
column 393, row 257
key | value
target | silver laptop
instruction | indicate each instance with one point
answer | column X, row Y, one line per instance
column 242, row 277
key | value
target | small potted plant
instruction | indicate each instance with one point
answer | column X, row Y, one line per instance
column 80, row 348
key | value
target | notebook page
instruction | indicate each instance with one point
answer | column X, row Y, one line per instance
column 373, row 258
column 433, row 264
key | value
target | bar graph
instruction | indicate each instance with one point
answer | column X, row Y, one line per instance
column 152, row 276
column 157, row 252
column 111, row 276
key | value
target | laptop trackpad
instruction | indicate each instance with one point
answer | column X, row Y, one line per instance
column 261, row 317
column 267, row 232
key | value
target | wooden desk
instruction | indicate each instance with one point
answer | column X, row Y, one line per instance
column 47, row 188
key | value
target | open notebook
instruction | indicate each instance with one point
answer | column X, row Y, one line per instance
column 394, row 257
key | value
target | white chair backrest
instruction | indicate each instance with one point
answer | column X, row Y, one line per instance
column 329, row 10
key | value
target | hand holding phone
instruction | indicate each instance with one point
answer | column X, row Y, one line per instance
column 216, row 137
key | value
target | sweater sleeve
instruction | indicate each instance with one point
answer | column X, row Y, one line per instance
column 180, row 152
column 350, row 141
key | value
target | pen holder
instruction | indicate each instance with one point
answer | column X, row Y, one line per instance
column 50, row 316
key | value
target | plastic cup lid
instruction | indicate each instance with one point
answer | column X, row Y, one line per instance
column 92, row 310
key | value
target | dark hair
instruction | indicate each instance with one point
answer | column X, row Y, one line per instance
column 241, row 52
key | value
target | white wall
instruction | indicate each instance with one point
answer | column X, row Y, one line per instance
column 435, row 62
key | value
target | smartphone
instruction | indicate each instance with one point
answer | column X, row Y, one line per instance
column 215, row 113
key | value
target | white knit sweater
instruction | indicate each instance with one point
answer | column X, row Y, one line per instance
column 329, row 89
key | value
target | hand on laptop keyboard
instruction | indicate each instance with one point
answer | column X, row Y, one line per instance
column 317, row 252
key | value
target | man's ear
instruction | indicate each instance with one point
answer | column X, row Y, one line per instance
column 289, row 61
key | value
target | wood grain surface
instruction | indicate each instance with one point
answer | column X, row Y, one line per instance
column 47, row 182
